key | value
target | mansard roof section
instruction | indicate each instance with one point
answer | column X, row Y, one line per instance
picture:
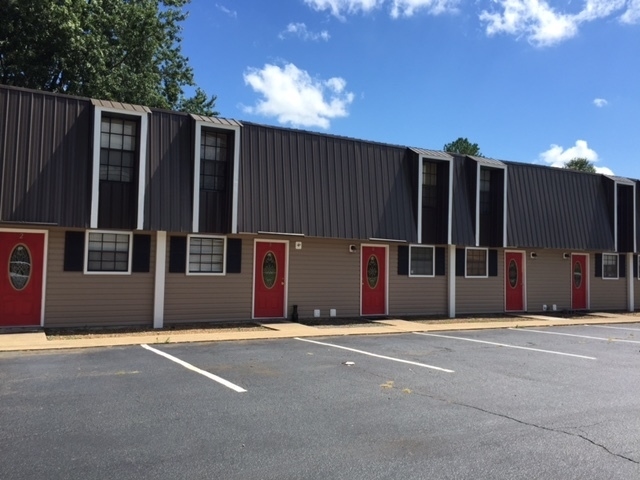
column 216, row 121
column 557, row 208
column 125, row 107
column 432, row 154
column 300, row 182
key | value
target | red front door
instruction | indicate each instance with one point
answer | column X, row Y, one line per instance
column 269, row 280
column 21, row 261
column 514, row 281
column 579, row 276
column 374, row 281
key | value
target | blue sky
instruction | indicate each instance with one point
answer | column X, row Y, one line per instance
column 528, row 80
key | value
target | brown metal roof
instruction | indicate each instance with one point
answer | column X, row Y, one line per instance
column 216, row 120
column 120, row 106
column 431, row 154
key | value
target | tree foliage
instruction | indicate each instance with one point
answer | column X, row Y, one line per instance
column 463, row 146
column 580, row 164
column 121, row 50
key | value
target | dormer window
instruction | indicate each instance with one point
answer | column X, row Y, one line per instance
column 214, row 157
column 117, row 150
column 485, row 191
column 429, row 184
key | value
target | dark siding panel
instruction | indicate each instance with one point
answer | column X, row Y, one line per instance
column 74, row 251
column 598, row 269
column 557, row 208
column 117, row 205
column 323, row 186
column 625, row 218
column 45, row 140
column 169, row 192
column 177, row 254
column 464, row 201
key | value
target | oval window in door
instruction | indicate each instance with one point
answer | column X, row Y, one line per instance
column 513, row 273
column 577, row 274
column 372, row 271
column 19, row 267
column 269, row 270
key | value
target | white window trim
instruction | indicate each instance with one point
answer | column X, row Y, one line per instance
column 101, row 272
column 142, row 161
column 486, row 262
column 617, row 277
column 195, row 221
column 433, row 261
column 224, row 256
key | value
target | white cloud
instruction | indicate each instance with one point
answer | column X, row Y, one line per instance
column 223, row 9
column 338, row 7
column 435, row 7
column 557, row 156
column 544, row 25
column 301, row 31
column 632, row 15
column 294, row 97
column 398, row 8
column 600, row 102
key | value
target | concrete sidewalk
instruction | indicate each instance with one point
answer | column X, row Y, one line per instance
column 39, row 341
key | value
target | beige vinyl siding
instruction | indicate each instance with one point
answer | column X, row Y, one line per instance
column 548, row 280
column 324, row 275
column 607, row 294
column 416, row 295
column 76, row 299
column 210, row 298
column 481, row 295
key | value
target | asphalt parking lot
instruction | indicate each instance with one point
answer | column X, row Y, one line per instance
column 525, row 403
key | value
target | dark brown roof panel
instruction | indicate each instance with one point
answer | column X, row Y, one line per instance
column 323, row 186
column 557, row 208
column 45, row 158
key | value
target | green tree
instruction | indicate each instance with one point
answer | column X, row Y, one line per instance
column 121, row 50
column 580, row 164
column 463, row 146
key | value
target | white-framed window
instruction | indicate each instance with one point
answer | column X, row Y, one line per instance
column 108, row 252
column 206, row 255
column 421, row 261
column 476, row 263
column 610, row 265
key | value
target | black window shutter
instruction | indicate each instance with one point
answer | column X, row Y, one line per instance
column 598, row 268
column 493, row 263
column 635, row 266
column 622, row 265
column 141, row 259
column 403, row 260
column 177, row 254
column 440, row 264
column 460, row 259
column 74, row 251
column 234, row 255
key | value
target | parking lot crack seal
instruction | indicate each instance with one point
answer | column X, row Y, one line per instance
column 549, row 429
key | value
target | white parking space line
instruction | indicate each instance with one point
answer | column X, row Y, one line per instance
column 417, row 364
column 576, row 336
column 506, row 345
column 615, row 328
column 209, row 375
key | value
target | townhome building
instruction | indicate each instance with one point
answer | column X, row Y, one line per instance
column 114, row 214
